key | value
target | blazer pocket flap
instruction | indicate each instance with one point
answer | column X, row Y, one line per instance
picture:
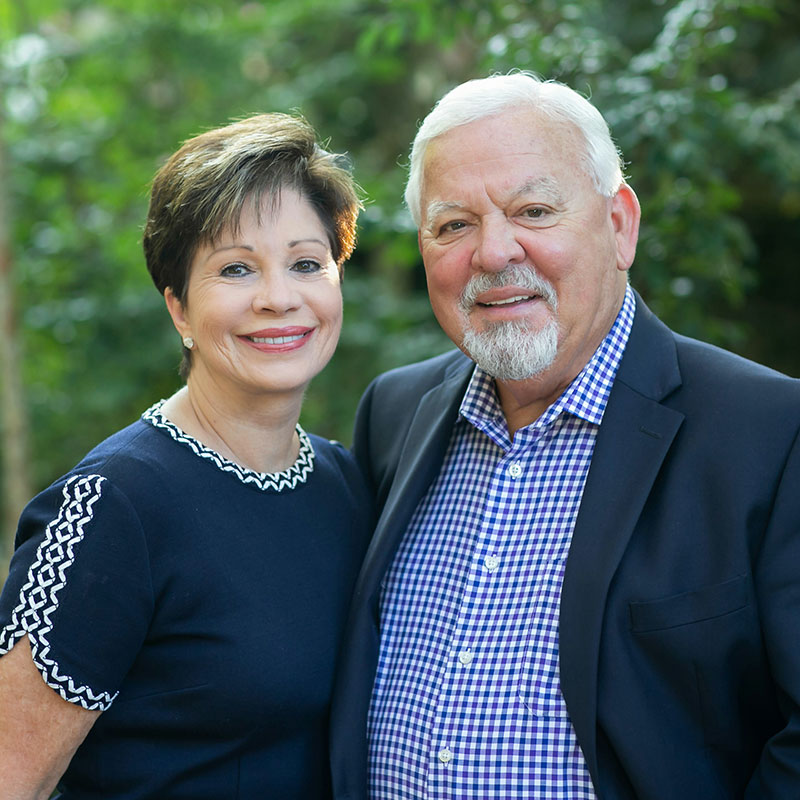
column 695, row 606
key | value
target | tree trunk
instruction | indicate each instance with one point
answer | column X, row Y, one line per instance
column 16, row 489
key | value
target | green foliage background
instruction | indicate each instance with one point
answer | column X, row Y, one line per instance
column 703, row 97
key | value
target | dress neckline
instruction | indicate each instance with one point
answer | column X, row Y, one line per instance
column 274, row 481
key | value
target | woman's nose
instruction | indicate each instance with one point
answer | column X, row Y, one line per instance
column 276, row 292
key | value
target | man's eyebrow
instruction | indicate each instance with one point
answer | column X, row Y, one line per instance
column 545, row 185
column 437, row 207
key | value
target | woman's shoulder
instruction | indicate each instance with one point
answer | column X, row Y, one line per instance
column 328, row 447
column 130, row 469
column 335, row 462
column 332, row 454
column 126, row 460
column 135, row 451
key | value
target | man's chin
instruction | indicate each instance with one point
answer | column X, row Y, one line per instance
column 510, row 352
column 507, row 371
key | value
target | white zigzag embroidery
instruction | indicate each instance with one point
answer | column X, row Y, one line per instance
column 46, row 577
column 277, row 481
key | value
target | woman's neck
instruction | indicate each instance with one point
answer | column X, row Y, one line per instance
column 255, row 433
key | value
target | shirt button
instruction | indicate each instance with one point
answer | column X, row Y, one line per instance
column 465, row 656
column 445, row 755
column 515, row 469
column 491, row 563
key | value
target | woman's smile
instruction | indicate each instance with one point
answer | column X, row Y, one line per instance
column 279, row 340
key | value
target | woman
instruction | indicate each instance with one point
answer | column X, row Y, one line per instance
column 170, row 623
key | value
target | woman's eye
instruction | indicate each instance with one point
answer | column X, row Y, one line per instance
column 306, row 265
column 234, row 270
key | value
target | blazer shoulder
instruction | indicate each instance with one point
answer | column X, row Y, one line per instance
column 669, row 367
column 414, row 380
column 724, row 374
column 390, row 405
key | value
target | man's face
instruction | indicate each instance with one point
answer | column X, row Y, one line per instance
column 522, row 254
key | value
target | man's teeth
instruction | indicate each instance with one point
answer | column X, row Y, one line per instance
column 515, row 299
column 276, row 339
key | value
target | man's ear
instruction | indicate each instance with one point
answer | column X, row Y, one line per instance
column 177, row 312
column 625, row 216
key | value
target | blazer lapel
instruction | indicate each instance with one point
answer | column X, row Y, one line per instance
column 419, row 464
column 632, row 442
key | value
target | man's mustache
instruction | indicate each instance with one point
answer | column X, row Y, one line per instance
column 520, row 276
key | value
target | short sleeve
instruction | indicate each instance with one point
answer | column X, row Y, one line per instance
column 79, row 587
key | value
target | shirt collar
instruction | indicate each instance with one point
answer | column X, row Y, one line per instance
column 585, row 397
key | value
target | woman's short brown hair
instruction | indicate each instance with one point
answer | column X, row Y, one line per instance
column 201, row 191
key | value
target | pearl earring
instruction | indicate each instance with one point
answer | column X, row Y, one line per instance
column 188, row 342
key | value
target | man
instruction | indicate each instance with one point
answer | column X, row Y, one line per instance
column 585, row 581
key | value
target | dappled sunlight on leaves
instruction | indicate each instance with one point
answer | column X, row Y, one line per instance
column 702, row 97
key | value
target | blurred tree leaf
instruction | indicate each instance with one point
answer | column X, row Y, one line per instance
column 702, row 96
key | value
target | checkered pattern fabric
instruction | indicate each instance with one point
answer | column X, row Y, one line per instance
column 467, row 700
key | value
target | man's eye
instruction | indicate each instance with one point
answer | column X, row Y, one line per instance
column 535, row 213
column 451, row 227
column 306, row 265
column 234, row 270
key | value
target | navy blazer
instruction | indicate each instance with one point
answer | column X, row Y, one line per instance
column 680, row 608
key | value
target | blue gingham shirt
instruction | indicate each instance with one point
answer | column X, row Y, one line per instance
column 467, row 701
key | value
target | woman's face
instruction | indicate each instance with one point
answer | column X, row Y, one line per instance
column 264, row 304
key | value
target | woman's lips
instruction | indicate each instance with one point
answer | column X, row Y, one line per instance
column 278, row 339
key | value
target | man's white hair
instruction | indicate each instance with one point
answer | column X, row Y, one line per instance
column 486, row 97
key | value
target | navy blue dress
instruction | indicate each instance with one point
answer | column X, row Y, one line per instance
column 199, row 605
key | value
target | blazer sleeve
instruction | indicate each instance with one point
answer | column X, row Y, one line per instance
column 777, row 579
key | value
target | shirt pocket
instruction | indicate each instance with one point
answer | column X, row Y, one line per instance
column 539, row 686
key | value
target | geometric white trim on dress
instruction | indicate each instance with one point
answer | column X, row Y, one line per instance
column 46, row 577
column 276, row 481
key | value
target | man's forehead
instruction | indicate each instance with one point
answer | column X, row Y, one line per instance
column 510, row 128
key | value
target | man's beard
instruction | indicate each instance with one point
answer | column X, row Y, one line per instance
column 511, row 351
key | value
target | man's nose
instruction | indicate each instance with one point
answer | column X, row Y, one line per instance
column 497, row 245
